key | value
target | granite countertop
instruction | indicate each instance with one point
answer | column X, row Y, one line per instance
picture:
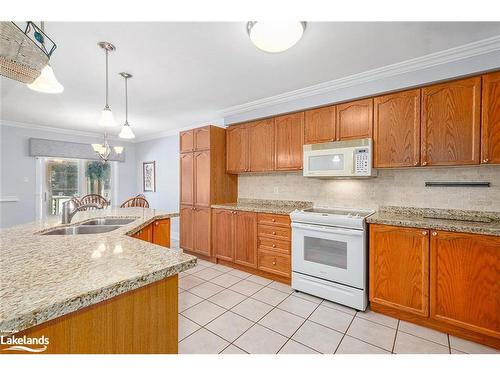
column 441, row 219
column 265, row 206
column 43, row 277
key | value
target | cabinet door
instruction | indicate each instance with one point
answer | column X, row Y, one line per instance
column 201, row 230
column 202, row 178
column 186, row 227
column 320, row 125
column 202, row 138
column 396, row 133
column 187, row 172
column 245, row 238
column 222, row 234
column 399, row 268
column 187, row 141
column 490, row 146
column 450, row 123
column 236, row 149
column 355, row 119
column 145, row 234
column 261, row 146
column 161, row 232
column 289, row 140
column 465, row 281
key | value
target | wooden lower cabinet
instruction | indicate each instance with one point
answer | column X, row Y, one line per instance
column 145, row 234
column 222, row 234
column 201, row 231
column 186, row 227
column 161, row 232
column 245, row 238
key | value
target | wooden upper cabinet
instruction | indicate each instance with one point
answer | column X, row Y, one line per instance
column 465, row 289
column 237, row 149
column 187, row 178
column 245, row 238
column 490, row 145
column 320, row 125
column 396, row 130
column 451, row 123
column 355, row 119
column 222, row 234
column 187, row 141
column 399, row 268
column 202, row 178
column 202, row 138
column 201, row 231
column 261, row 145
column 289, row 141
column 186, row 227
column 161, row 232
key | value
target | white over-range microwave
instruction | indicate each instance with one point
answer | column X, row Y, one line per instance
column 351, row 158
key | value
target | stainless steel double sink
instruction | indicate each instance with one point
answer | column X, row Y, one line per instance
column 91, row 227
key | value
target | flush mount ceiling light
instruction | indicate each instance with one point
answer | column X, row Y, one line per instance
column 126, row 131
column 275, row 36
column 107, row 119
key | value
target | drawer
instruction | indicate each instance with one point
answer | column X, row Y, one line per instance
column 270, row 219
column 274, row 232
column 274, row 262
column 274, row 245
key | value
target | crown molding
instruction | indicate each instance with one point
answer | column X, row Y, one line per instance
column 465, row 51
column 168, row 133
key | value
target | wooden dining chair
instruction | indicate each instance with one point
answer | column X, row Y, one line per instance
column 135, row 202
column 93, row 198
column 141, row 196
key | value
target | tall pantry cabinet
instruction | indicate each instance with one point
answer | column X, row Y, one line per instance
column 204, row 182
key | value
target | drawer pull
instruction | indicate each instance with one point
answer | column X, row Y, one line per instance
column 274, row 232
column 274, row 262
column 274, row 245
column 273, row 220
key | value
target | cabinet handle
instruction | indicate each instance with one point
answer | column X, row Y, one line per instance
column 424, row 163
column 274, row 262
column 424, row 233
column 415, row 164
column 274, row 232
column 157, row 223
column 273, row 220
column 486, row 160
column 434, row 233
column 274, row 245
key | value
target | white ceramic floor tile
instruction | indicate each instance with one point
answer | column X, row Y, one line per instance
column 206, row 290
column 372, row 333
column 298, row 306
column 203, row 312
column 423, row 332
column 455, row 351
column 260, row 340
column 246, row 287
column 231, row 349
column 378, row 318
column 259, row 280
column 186, row 327
column 227, row 298
column 189, row 282
column 252, row 309
column 208, row 274
column 318, row 337
column 195, row 269
column 470, row 347
column 270, row 296
column 225, row 280
column 307, row 297
column 205, row 263
column 337, row 306
column 240, row 274
column 229, row 326
column 187, row 300
column 293, row 347
column 202, row 342
column 409, row 344
column 281, row 287
column 282, row 322
column 331, row 318
column 221, row 268
column 350, row 345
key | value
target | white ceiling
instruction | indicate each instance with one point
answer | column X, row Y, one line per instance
column 187, row 73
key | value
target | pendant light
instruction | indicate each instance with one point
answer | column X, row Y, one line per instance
column 126, row 131
column 275, row 36
column 107, row 119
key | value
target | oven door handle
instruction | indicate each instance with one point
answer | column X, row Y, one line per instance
column 325, row 229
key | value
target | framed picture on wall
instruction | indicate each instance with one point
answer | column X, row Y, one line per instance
column 149, row 176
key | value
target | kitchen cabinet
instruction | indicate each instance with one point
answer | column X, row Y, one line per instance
column 465, row 277
column 161, row 232
column 186, row 227
column 187, row 141
column 202, row 138
column 237, row 149
column 451, row 123
column 145, row 234
column 222, row 234
column 399, row 268
column 187, row 178
column 260, row 140
column 320, row 125
column 245, row 238
column 289, row 140
column 396, row 130
column 490, row 143
column 355, row 119
column 202, row 178
column 201, row 231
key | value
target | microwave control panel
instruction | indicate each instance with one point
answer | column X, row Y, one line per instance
column 362, row 161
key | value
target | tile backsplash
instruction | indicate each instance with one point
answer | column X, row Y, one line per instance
column 396, row 187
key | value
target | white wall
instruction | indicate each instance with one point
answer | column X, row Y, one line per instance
column 17, row 171
column 165, row 152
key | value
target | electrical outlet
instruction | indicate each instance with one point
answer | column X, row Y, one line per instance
column 276, row 190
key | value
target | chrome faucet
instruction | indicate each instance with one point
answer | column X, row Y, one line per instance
column 68, row 212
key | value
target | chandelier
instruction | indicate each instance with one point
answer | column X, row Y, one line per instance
column 104, row 150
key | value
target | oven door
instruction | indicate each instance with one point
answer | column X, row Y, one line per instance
column 334, row 254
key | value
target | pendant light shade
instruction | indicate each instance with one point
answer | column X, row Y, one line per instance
column 126, row 131
column 47, row 82
column 107, row 119
column 275, row 36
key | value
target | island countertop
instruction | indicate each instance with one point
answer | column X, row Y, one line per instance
column 43, row 277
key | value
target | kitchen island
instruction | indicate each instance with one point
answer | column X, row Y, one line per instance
column 90, row 293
